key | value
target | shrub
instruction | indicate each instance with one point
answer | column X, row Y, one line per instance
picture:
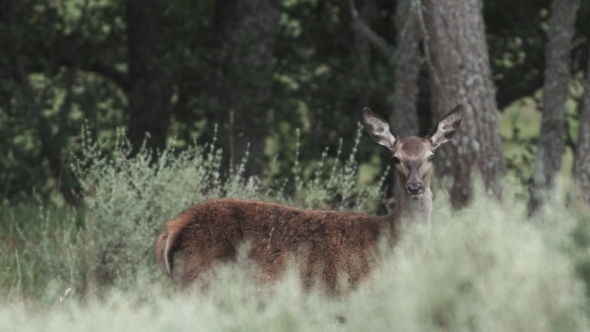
column 485, row 268
column 128, row 198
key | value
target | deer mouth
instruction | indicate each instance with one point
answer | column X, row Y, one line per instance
column 416, row 196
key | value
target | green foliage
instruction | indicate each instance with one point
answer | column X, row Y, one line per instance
column 335, row 186
column 26, row 231
column 129, row 198
column 70, row 60
column 487, row 267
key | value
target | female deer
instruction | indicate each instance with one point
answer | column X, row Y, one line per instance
column 335, row 241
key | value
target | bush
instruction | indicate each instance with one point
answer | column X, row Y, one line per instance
column 129, row 198
column 486, row 267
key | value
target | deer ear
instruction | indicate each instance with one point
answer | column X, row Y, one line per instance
column 446, row 127
column 378, row 129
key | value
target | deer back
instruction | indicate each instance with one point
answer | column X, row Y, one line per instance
column 324, row 242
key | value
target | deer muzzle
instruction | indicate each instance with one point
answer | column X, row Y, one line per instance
column 415, row 188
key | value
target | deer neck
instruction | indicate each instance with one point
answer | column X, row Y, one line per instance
column 408, row 212
column 410, row 209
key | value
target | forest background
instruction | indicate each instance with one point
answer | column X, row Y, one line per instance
column 115, row 115
column 268, row 75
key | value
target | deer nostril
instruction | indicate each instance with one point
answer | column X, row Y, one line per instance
column 414, row 187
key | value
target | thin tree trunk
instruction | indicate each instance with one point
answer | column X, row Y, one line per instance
column 460, row 73
column 247, row 35
column 362, row 58
column 581, row 171
column 150, row 93
column 404, row 57
column 403, row 118
column 555, row 90
column 406, row 62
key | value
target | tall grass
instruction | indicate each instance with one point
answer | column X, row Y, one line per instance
column 487, row 267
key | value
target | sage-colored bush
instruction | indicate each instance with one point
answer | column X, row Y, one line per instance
column 128, row 199
column 486, row 267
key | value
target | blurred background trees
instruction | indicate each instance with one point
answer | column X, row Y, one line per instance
column 581, row 171
column 555, row 93
column 459, row 72
column 257, row 70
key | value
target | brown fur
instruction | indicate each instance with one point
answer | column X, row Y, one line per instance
column 327, row 243
column 212, row 231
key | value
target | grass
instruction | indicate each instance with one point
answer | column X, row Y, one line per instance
column 486, row 267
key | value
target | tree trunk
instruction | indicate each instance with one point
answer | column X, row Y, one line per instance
column 403, row 118
column 555, row 90
column 150, row 93
column 247, row 35
column 405, row 58
column 460, row 73
column 581, row 171
column 362, row 58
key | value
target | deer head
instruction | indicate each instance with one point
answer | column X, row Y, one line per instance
column 413, row 155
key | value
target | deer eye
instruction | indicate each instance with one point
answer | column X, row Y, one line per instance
column 431, row 158
column 395, row 159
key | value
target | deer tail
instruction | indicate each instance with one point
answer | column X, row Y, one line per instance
column 164, row 252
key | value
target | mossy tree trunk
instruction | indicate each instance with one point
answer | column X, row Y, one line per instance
column 361, row 46
column 581, row 171
column 460, row 73
column 403, row 117
column 405, row 58
column 555, row 91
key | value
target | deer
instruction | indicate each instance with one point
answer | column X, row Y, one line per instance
column 210, row 232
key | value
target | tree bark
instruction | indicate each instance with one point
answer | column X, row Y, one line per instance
column 581, row 169
column 405, row 58
column 460, row 73
column 555, row 90
column 247, row 35
column 150, row 93
column 403, row 118
column 362, row 58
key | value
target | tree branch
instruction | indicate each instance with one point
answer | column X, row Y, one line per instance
column 377, row 41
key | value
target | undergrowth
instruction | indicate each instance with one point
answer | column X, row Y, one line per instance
column 487, row 267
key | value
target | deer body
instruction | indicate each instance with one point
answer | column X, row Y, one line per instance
column 325, row 242
column 213, row 230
